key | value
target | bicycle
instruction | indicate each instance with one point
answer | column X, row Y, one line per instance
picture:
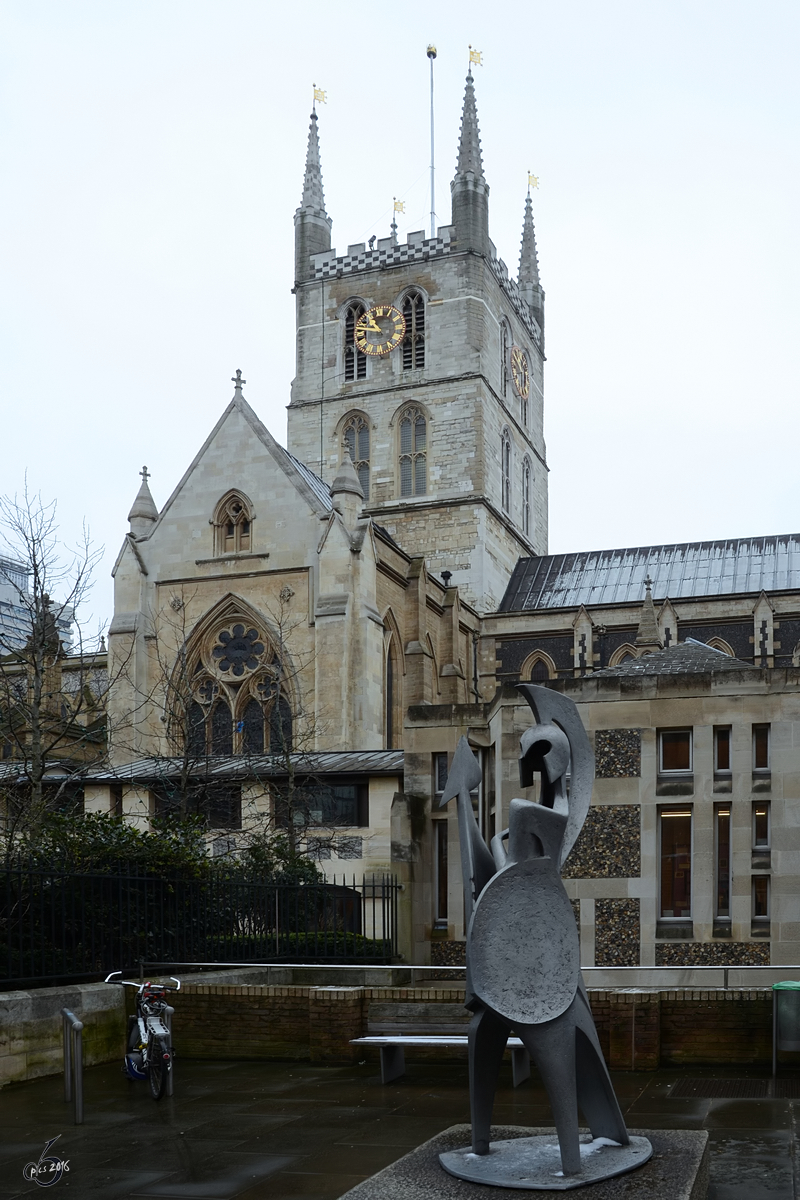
column 149, row 1050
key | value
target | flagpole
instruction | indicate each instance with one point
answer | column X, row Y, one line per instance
column 432, row 56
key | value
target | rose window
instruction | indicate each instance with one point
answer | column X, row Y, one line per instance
column 238, row 650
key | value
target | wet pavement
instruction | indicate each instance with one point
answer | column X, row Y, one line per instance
column 288, row 1130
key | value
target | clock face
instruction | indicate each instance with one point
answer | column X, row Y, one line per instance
column 520, row 373
column 380, row 329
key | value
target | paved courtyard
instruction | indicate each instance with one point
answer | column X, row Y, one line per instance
column 275, row 1130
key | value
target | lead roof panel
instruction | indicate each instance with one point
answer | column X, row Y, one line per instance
column 678, row 571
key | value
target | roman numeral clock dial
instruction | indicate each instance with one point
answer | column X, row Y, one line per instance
column 380, row 329
column 520, row 372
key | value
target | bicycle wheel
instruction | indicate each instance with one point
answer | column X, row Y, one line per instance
column 159, row 1057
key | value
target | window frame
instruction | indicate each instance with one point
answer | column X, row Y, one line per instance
column 722, row 811
column 440, row 760
column 761, row 919
column 414, row 414
column 755, row 844
column 441, row 873
column 757, row 729
column 527, row 477
column 358, row 422
column 676, row 811
column 676, row 772
column 413, row 308
column 723, row 732
column 233, row 530
column 306, row 787
column 505, row 353
column 354, row 363
column 505, row 471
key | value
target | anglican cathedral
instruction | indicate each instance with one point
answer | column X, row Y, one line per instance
column 324, row 622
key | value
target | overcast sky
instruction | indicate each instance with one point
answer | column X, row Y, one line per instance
column 152, row 160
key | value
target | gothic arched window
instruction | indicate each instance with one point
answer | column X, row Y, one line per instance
column 539, row 671
column 232, row 524
column 196, row 729
column 280, row 727
column 413, row 453
column 221, row 729
column 252, row 728
column 505, row 350
column 355, row 437
column 505, row 462
column 526, row 496
column 414, row 340
column 355, row 363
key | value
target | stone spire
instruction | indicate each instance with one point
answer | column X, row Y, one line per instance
column 313, row 198
column 647, row 636
column 528, row 279
column 528, row 261
column 470, row 160
column 469, row 189
column 347, row 493
column 144, row 513
column 312, row 225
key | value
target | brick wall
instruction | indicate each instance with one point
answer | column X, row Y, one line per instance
column 638, row 1029
column 716, row 1027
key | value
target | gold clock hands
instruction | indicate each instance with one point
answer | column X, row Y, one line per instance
column 373, row 325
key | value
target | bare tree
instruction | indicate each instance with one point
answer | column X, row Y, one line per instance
column 268, row 742
column 51, row 694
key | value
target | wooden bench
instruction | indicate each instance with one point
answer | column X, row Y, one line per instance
column 393, row 1027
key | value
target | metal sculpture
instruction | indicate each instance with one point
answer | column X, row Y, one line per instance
column 523, row 964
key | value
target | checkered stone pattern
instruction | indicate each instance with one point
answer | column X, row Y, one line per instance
column 388, row 256
column 509, row 286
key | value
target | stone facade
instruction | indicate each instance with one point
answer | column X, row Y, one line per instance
column 392, row 619
column 466, row 520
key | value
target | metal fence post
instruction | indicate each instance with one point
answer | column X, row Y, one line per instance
column 73, row 1062
column 168, row 1011
column 66, row 1015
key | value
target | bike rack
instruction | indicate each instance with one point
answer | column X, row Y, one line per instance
column 168, row 1011
column 73, row 1062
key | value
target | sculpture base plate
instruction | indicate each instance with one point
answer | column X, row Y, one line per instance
column 678, row 1170
column 534, row 1163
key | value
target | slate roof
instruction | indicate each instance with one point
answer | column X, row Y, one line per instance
column 678, row 571
column 685, row 658
column 334, row 762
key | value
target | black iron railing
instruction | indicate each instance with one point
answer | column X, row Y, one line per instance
column 65, row 926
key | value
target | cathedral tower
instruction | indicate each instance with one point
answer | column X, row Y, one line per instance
column 425, row 360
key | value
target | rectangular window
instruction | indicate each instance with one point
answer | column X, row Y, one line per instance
column 440, row 882
column 761, row 830
column 439, row 773
column 676, row 862
column 675, row 751
column 723, row 873
column 761, row 747
column 344, row 802
column 761, row 897
column 722, row 750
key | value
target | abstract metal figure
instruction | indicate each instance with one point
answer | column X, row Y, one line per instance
column 523, row 949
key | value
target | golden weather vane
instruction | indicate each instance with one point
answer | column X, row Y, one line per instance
column 399, row 205
column 319, row 95
column 476, row 56
column 533, row 181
